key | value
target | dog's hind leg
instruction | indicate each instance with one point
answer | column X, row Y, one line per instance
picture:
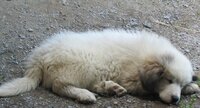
column 81, row 95
column 109, row 88
column 190, row 89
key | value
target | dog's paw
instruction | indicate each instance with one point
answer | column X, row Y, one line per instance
column 86, row 97
column 115, row 88
column 120, row 91
column 191, row 89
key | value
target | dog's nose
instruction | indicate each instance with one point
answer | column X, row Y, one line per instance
column 175, row 99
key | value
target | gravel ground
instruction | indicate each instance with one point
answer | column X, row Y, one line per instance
column 25, row 23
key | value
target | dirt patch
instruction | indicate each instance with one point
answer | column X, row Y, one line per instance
column 25, row 23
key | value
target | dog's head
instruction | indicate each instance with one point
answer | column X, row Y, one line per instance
column 166, row 75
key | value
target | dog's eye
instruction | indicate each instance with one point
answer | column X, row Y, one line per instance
column 170, row 81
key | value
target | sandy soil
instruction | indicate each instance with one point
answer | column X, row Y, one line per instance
column 25, row 23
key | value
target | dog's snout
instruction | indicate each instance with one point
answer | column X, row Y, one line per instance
column 175, row 99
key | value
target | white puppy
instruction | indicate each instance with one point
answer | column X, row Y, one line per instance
column 108, row 62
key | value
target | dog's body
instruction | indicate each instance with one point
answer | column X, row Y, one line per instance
column 107, row 62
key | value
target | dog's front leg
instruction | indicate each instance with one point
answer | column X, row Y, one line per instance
column 109, row 88
column 190, row 89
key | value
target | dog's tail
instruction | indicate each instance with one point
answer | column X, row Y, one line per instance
column 30, row 81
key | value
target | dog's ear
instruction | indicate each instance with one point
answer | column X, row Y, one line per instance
column 150, row 74
column 166, row 59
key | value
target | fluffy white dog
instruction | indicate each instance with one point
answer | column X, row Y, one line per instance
column 109, row 62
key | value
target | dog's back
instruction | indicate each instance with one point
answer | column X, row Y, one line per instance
column 70, row 63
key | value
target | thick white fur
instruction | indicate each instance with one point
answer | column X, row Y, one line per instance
column 85, row 59
column 17, row 86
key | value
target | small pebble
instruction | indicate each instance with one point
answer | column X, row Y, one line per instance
column 5, row 45
column 63, row 2
column 115, row 102
column 187, row 50
column 12, row 70
column 186, row 5
column 21, row 36
column 69, row 106
column 167, row 16
column 52, row 26
column 98, row 97
column 129, row 101
column 198, row 96
column 147, row 24
column 30, row 30
column 144, row 105
column 134, row 22
column 15, row 62
column 134, row 101
column 20, row 47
